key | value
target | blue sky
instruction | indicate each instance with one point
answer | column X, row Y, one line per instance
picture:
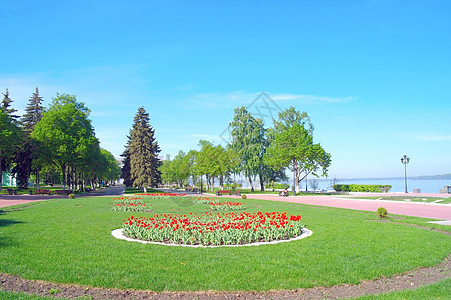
column 374, row 76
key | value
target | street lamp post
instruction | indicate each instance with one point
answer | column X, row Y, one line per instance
column 405, row 160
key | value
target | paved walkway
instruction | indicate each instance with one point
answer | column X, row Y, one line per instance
column 425, row 210
column 11, row 200
column 7, row 200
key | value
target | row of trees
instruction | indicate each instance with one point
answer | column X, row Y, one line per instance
column 57, row 143
column 211, row 161
column 254, row 152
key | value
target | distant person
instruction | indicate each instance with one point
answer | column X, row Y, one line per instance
column 284, row 193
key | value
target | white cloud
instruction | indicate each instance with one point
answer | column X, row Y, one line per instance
column 242, row 98
column 310, row 98
column 221, row 100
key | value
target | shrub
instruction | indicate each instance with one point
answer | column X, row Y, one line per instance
column 279, row 186
column 372, row 188
column 243, row 196
column 382, row 212
column 71, row 196
column 231, row 185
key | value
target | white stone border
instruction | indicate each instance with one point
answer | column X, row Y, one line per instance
column 117, row 233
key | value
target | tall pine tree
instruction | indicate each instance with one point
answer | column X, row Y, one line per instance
column 125, row 172
column 6, row 107
column 33, row 112
column 25, row 155
column 144, row 151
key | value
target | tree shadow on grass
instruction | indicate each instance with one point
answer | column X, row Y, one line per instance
column 4, row 223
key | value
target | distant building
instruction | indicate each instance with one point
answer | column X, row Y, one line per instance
column 8, row 179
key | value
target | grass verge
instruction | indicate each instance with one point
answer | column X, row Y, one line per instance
column 411, row 199
column 69, row 241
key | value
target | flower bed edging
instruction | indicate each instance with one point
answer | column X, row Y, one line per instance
column 117, row 233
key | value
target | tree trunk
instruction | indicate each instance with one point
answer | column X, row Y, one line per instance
column 37, row 179
column 250, row 182
column 1, row 174
column 262, row 184
column 68, row 179
column 63, row 171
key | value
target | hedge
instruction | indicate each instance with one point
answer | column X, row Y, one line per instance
column 280, row 186
column 372, row 188
column 231, row 185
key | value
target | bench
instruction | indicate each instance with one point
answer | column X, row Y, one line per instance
column 228, row 192
column 12, row 192
column 62, row 192
column 192, row 189
column 48, row 192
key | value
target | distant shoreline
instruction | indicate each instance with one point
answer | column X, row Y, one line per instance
column 423, row 177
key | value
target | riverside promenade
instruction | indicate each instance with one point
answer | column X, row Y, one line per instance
column 425, row 210
column 11, row 200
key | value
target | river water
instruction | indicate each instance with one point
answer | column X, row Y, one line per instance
column 426, row 186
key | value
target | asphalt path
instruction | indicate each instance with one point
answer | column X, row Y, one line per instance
column 11, row 200
column 425, row 210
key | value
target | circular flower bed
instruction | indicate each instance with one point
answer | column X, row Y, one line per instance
column 226, row 205
column 214, row 229
column 129, row 204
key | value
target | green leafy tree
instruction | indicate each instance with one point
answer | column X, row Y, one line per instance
column 192, row 154
column 206, row 162
column 291, row 116
column 248, row 141
column 213, row 162
column 125, row 171
column 167, row 175
column 227, row 160
column 180, row 166
column 9, row 141
column 66, row 135
column 292, row 146
column 144, row 149
column 111, row 170
column 272, row 177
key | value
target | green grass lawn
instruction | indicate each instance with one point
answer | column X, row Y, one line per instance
column 21, row 296
column 69, row 241
column 411, row 199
